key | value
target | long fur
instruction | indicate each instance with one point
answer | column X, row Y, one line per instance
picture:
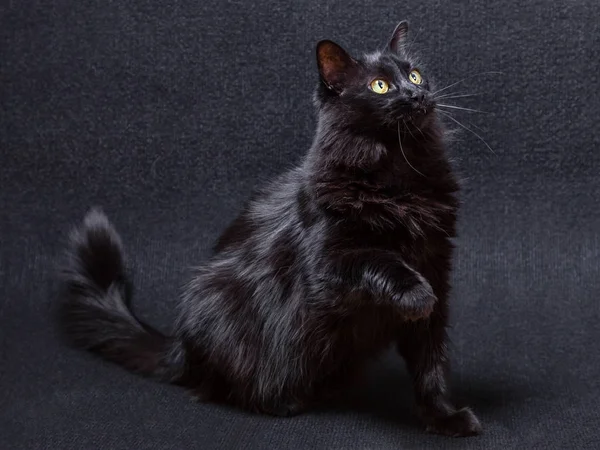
column 324, row 268
column 94, row 312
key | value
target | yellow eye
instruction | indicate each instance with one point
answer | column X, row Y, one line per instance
column 415, row 77
column 380, row 86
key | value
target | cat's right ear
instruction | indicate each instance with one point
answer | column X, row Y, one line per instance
column 336, row 66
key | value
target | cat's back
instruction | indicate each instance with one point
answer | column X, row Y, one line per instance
column 271, row 210
column 255, row 258
column 248, row 296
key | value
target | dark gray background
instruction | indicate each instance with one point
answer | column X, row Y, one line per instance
column 169, row 113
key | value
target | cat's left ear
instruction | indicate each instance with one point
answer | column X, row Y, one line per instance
column 336, row 66
column 398, row 39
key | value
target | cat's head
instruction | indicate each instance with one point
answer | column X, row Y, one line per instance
column 383, row 90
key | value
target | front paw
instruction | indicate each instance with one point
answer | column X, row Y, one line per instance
column 282, row 410
column 457, row 424
column 417, row 302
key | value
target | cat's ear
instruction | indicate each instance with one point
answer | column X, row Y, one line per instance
column 398, row 39
column 336, row 66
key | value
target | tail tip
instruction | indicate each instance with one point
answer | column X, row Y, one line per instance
column 95, row 224
column 95, row 218
column 95, row 252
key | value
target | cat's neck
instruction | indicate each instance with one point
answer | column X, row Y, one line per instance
column 372, row 179
column 389, row 157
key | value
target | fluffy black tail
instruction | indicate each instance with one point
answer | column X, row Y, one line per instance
column 94, row 312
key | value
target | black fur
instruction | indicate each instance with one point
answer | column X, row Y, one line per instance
column 325, row 268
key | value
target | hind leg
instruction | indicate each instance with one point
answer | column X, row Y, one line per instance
column 217, row 391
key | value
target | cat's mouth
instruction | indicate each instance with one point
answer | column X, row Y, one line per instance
column 415, row 109
column 421, row 110
column 417, row 112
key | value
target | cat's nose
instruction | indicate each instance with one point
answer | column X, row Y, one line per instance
column 418, row 98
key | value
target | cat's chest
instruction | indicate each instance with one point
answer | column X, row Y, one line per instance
column 416, row 211
column 406, row 213
column 414, row 217
column 427, row 216
column 418, row 228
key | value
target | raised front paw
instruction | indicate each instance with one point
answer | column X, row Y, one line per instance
column 416, row 302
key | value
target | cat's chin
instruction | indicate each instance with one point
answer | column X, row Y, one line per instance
column 418, row 119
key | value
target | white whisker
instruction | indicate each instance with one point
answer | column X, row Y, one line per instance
column 472, row 124
column 404, row 154
column 408, row 128
column 457, row 95
column 465, row 79
column 468, row 129
column 461, row 108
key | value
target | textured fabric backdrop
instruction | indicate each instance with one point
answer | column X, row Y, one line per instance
column 168, row 113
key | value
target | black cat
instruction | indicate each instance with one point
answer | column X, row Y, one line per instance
column 324, row 268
